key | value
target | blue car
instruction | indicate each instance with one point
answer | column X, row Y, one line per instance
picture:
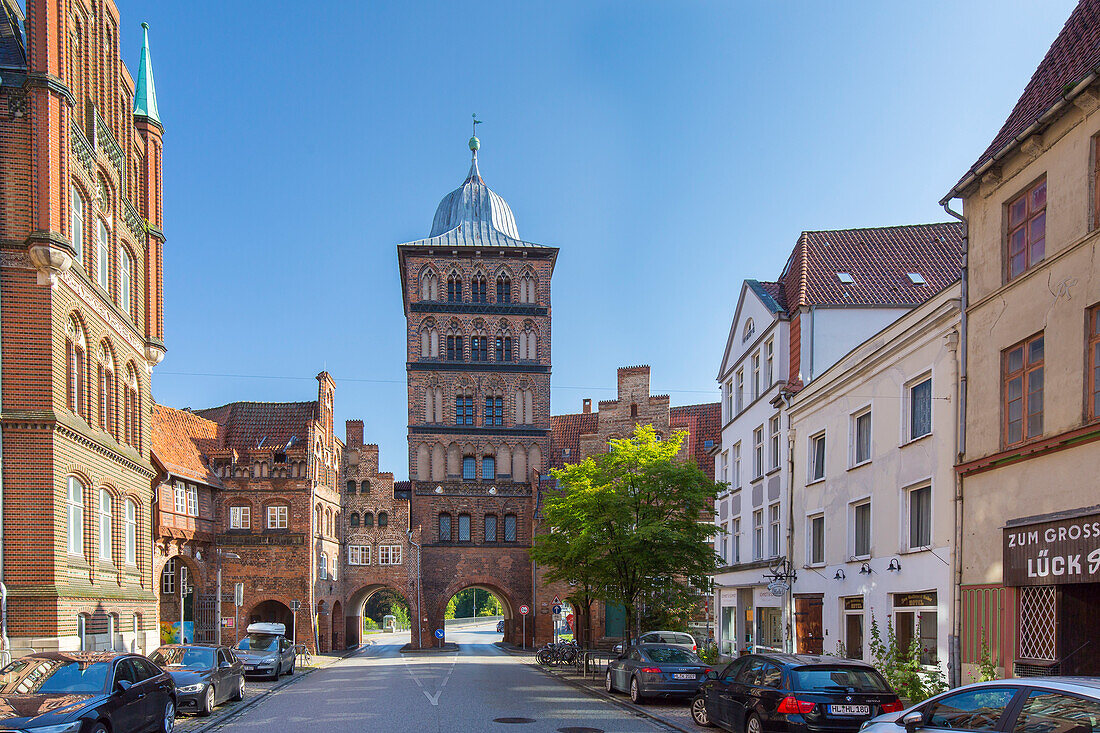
column 500, row 626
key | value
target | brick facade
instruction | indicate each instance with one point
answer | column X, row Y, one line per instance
column 77, row 167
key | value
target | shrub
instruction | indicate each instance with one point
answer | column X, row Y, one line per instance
column 369, row 623
column 902, row 667
column 709, row 653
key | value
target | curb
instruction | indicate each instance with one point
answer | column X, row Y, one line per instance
column 299, row 674
column 513, row 649
column 448, row 648
column 626, row 705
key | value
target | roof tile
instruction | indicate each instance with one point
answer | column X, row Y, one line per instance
column 243, row 425
column 179, row 439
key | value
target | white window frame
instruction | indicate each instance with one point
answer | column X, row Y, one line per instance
column 130, row 532
column 811, row 521
column 192, row 500
column 907, row 435
column 125, row 275
column 105, row 508
column 755, row 375
column 730, row 412
column 757, row 452
column 74, row 501
column 168, row 577
column 853, row 431
column 815, row 472
column 358, row 554
column 739, row 396
column 775, row 530
column 240, row 517
column 77, row 222
column 854, row 524
column 103, row 256
column 769, row 364
column 775, row 442
column 277, row 516
column 758, row 534
column 737, row 465
column 908, row 528
column 735, row 533
column 180, row 496
column 322, row 566
column 389, row 554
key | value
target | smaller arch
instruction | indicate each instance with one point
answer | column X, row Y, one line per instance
column 504, row 288
column 479, row 292
column 383, row 519
column 429, row 284
column 353, row 520
column 364, row 486
column 750, row 329
column 368, row 519
column 350, row 486
column 454, row 287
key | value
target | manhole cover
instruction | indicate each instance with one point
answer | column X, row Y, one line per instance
column 580, row 730
column 513, row 720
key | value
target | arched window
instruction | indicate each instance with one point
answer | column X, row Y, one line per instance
column 525, row 407
column 77, row 223
column 351, row 486
column 82, row 631
column 527, row 288
column 478, row 289
column 429, row 342
column 433, row 405
column 74, row 516
column 353, row 520
column 106, row 527
column 103, row 257
column 490, row 528
column 750, row 329
column 455, row 348
column 319, row 519
column 504, row 288
column 454, row 288
column 479, row 347
column 444, row 527
column 494, row 410
column 528, row 344
column 132, row 407
column 106, row 389
column 469, row 468
column 322, row 566
column 364, row 487
column 76, row 349
column 130, row 533
column 504, row 348
column 488, row 468
column 463, row 527
column 368, row 519
column 125, row 282
column 383, row 519
column 509, row 527
column 168, row 577
column 429, row 286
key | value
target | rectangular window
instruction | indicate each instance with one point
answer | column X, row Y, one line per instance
column 920, row 517
column 239, row 517
column 124, row 276
column 1027, row 229
column 389, row 554
column 725, row 466
column 192, row 500
column 444, row 527
column 1094, row 362
column 490, row 528
column 77, row 224
column 494, row 411
column 1022, row 367
column 773, row 530
column 730, row 408
column 276, row 517
column 861, row 516
column 130, row 534
column 739, row 396
column 737, row 465
column 773, row 442
column 816, row 540
column 488, row 468
column 463, row 527
column 464, row 410
column 735, row 550
column 861, row 438
column 181, row 498
column 817, row 457
column 479, row 348
column 103, row 255
column 455, row 349
column 756, row 375
column 758, row 452
column 469, row 468
column 920, row 409
column 509, row 527
column 769, row 363
column 758, row 534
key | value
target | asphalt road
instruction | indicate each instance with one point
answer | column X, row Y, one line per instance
column 380, row 689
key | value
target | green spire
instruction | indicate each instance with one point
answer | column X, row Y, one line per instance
column 145, row 98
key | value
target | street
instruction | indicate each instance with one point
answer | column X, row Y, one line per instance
column 381, row 689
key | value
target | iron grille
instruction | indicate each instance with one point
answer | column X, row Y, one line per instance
column 1023, row 669
column 1038, row 619
column 204, row 619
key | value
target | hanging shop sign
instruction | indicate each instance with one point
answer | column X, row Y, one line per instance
column 1055, row 552
column 853, row 604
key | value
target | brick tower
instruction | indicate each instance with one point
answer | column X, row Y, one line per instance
column 477, row 304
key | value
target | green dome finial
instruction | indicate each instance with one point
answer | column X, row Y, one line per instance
column 475, row 144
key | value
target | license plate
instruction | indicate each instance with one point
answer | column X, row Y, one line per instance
column 850, row 709
column 683, row 676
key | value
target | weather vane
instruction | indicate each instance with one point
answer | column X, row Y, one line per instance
column 476, row 123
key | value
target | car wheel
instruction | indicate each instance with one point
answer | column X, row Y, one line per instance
column 98, row 728
column 699, row 712
column 168, row 725
column 207, row 705
column 291, row 670
column 636, row 694
column 239, row 694
column 609, row 683
column 752, row 724
column 278, row 671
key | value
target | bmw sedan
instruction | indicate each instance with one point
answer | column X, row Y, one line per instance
column 86, row 692
column 793, row 693
column 656, row 670
column 205, row 675
column 1023, row 705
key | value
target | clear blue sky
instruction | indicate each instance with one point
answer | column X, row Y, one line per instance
column 670, row 149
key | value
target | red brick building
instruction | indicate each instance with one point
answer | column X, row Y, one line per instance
column 81, row 233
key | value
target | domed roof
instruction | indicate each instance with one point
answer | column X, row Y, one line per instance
column 475, row 208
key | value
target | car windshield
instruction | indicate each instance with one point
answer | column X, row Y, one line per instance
column 837, row 678
column 186, row 657
column 54, row 676
column 259, row 643
column 671, row 655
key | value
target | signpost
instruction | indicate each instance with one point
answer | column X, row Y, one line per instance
column 238, row 601
column 439, row 634
column 556, row 618
column 523, row 611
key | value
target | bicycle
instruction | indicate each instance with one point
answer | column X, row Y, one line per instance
column 564, row 652
column 301, row 652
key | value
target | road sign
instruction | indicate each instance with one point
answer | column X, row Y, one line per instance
column 557, row 610
column 295, row 605
column 557, row 601
column 524, row 610
column 227, row 623
column 238, row 595
column 439, row 633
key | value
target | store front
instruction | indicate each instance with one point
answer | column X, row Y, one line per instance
column 916, row 617
column 1053, row 562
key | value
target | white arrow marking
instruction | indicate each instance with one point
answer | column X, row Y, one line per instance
column 433, row 700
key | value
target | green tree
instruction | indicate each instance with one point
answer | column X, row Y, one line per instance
column 631, row 523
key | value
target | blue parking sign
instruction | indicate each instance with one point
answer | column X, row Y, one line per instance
column 439, row 633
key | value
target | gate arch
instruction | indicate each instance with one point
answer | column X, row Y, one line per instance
column 357, row 601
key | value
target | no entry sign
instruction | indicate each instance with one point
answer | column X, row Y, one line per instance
column 524, row 610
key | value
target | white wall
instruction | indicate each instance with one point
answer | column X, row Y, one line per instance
column 836, row 331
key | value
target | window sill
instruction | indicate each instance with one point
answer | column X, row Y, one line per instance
column 813, row 481
column 861, row 464
column 916, row 550
column 814, row 565
column 918, row 439
column 776, row 469
column 858, row 558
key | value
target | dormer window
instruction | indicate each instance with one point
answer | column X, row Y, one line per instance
column 916, row 278
column 845, row 278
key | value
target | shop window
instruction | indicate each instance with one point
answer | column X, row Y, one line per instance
column 1027, row 227
column 1022, row 367
column 853, row 628
column 921, row 626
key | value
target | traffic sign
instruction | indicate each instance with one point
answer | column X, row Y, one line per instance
column 524, row 610
column 238, row 594
column 557, row 601
column 557, row 609
column 227, row 623
column 439, row 633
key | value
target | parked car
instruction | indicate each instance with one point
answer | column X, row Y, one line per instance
column 793, row 693
column 500, row 626
column 205, row 675
column 1022, row 705
column 656, row 670
column 265, row 651
column 86, row 692
column 675, row 638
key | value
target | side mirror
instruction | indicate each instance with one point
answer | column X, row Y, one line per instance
column 124, row 685
column 226, row 665
column 711, row 674
column 912, row 721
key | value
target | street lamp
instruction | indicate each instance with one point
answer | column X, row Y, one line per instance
column 218, row 604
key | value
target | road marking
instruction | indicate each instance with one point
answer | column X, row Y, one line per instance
column 433, row 699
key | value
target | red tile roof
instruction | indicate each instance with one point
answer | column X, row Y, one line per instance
column 705, row 423
column 179, row 439
column 565, row 435
column 243, row 425
column 1074, row 54
column 878, row 260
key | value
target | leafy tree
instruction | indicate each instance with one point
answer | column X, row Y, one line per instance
column 631, row 523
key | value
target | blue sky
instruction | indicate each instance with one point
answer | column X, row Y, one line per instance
column 670, row 149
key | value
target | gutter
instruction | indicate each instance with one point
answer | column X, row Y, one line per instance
column 955, row 645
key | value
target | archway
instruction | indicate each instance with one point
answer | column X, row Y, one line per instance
column 186, row 613
column 337, row 626
column 475, row 610
column 368, row 608
column 274, row 612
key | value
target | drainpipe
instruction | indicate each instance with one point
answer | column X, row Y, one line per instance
column 955, row 649
column 5, row 652
column 789, row 643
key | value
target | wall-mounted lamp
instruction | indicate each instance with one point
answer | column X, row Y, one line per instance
column 895, row 565
column 839, row 575
column 865, row 569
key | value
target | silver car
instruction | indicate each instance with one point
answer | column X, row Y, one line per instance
column 668, row 638
column 1022, row 705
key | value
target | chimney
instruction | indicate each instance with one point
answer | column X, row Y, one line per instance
column 586, row 406
column 354, row 433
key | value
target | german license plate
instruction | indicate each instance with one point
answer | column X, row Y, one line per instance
column 683, row 676
column 850, row 709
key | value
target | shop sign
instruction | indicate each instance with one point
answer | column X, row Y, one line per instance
column 853, row 604
column 915, row 600
column 727, row 597
column 1052, row 553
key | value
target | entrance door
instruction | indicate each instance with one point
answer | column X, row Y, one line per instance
column 808, row 625
column 853, row 635
column 614, row 621
column 770, row 634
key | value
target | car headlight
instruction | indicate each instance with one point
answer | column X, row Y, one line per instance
column 191, row 688
column 60, row 728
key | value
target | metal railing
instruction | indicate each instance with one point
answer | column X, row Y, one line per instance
column 302, row 655
column 594, row 661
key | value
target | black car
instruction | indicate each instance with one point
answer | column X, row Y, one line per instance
column 86, row 692
column 656, row 670
column 793, row 693
column 205, row 675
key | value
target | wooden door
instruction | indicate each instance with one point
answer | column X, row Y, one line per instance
column 808, row 625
